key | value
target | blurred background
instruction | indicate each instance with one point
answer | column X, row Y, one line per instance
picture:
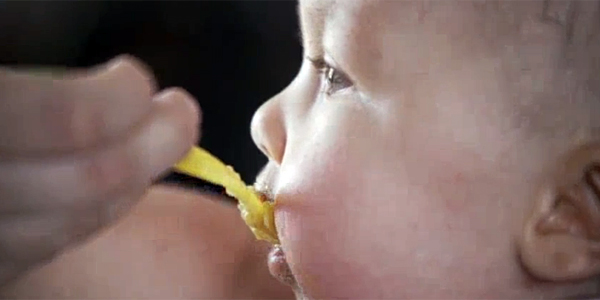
column 231, row 55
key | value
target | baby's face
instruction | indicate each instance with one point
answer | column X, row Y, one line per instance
column 401, row 159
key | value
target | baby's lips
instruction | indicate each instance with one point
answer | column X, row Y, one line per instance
column 256, row 213
column 267, row 228
column 279, row 267
column 262, row 195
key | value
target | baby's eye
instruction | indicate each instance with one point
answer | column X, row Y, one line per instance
column 333, row 79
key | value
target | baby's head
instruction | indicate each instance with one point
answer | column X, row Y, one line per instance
column 440, row 150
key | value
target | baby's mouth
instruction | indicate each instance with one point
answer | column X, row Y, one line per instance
column 279, row 267
column 276, row 261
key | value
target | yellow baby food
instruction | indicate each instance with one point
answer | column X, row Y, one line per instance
column 255, row 210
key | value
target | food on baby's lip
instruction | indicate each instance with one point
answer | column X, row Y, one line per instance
column 256, row 212
column 279, row 267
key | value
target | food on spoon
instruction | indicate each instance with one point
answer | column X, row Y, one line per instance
column 256, row 212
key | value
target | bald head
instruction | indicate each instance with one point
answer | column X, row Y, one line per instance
column 431, row 121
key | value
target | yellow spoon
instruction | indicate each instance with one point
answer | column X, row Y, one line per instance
column 256, row 212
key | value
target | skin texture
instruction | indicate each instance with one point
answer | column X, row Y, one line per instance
column 413, row 173
column 168, row 247
column 77, row 151
column 445, row 152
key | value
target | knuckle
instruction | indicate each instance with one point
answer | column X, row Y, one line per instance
column 59, row 118
column 111, row 101
column 186, row 131
column 186, row 116
column 138, row 75
column 87, row 126
column 106, row 172
column 141, row 71
column 71, row 122
column 47, row 112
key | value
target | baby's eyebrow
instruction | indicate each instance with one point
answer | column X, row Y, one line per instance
column 313, row 16
column 299, row 34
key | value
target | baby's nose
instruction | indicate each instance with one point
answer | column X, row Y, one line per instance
column 268, row 130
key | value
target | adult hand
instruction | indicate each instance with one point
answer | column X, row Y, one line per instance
column 77, row 151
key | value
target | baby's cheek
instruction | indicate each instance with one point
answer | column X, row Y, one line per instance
column 318, row 211
column 364, row 241
column 355, row 225
column 363, row 215
column 342, row 217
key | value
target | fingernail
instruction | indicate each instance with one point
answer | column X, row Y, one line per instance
column 169, row 136
column 126, row 67
column 160, row 144
column 186, row 99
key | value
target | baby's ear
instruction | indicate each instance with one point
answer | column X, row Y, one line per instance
column 561, row 238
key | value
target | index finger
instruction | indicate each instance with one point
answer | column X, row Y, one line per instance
column 76, row 111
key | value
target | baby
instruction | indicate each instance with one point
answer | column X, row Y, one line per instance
column 437, row 149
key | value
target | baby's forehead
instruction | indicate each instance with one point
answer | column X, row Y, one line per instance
column 365, row 28
column 370, row 34
column 361, row 16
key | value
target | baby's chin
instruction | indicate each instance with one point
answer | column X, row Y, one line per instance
column 322, row 256
column 280, row 269
column 311, row 286
column 310, row 259
column 279, row 262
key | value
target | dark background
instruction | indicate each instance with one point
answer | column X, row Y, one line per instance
column 231, row 55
